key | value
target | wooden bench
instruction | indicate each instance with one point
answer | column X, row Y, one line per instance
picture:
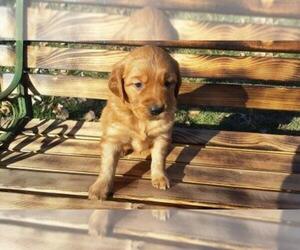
column 51, row 163
column 230, row 229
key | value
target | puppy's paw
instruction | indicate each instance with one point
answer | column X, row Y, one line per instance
column 99, row 223
column 99, row 190
column 136, row 245
column 161, row 214
column 160, row 181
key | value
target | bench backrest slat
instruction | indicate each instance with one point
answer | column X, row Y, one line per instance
column 229, row 95
column 255, row 68
column 99, row 27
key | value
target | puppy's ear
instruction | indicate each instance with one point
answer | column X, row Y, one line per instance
column 178, row 83
column 116, row 81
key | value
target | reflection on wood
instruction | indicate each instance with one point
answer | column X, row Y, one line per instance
column 58, row 25
column 16, row 200
column 175, row 229
column 271, row 8
column 35, row 237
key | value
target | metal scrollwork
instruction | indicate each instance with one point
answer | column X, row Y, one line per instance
column 9, row 113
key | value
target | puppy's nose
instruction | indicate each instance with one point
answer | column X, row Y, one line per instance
column 156, row 110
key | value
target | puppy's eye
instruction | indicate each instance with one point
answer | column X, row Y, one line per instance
column 168, row 84
column 138, row 85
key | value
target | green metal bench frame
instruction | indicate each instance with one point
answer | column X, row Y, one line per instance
column 20, row 102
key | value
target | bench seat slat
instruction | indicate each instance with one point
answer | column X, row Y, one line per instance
column 27, row 200
column 203, row 174
column 138, row 190
column 242, row 140
column 194, row 155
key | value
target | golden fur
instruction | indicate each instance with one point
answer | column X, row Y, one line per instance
column 147, row 24
column 126, row 120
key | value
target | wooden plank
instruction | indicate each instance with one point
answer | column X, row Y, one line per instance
column 13, row 200
column 45, row 237
column 58, row 25
column 280, row 8
column 7, row 22
column 275, row 216
column 240, row 96
column 192, row 65
column 218, row 176
column 236, row 232
column 243, row 140
column 228, row 95
column 182, row 227
column 77, row 219
column 139, row 190
column 67, row 129
column 214, row 31
column 195, row 155
column 264, row 46
column 7, row 56
column 237, row 226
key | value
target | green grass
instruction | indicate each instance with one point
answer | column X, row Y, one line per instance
column 274, row 122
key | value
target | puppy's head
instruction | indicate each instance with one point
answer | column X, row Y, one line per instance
column 148, row 81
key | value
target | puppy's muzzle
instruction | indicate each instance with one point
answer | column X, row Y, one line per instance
column 156, row 110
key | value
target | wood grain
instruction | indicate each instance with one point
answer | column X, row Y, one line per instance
column 243, row 140
column 194, row 94
column 12, row 200
column 58, row 25
column 280, row 8
column 7, row 56
column 139, row 190
column 195, row 155
column 214, row 31
column 275, row 216
column 192, row 65
column 203, row 174
column 48, row 237
column 264, row 46
column 181, row 227
column 222, row 231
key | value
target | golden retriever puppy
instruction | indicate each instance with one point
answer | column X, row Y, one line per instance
column 148, row 23
column 139, row 114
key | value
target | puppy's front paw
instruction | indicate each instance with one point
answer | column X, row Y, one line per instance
column 160, row 182
column 99, row 190
column 99, row 223
column 161, row 214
